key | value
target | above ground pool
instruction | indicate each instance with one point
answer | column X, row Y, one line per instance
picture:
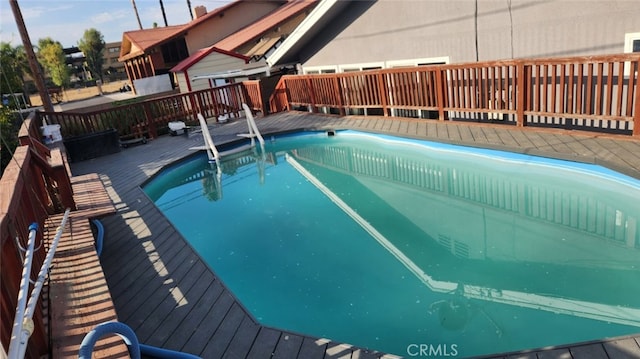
column 411, row 247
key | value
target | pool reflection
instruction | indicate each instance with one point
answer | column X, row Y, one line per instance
column 549, row 242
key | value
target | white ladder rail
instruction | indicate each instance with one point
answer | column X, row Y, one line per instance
column 20, row 335
column 212, row 151
column 253, row 128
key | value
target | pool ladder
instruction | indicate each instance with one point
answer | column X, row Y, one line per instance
column 253, row 133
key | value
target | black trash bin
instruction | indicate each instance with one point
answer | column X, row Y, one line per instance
column 92, row 145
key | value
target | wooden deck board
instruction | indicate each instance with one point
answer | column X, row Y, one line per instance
column 175, row 297
column 243, row 340
column 563, row 353
column 622, row 348
column 173, row 316
column 288, row 346
column 212, row 320
column 313, row 348
column 589, row 351
column 195, row 316
column 142, row 272
column 264, row 344
column 220, row 341
column 139, row 240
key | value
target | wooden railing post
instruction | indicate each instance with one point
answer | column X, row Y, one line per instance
column 61, row 176
column 338, row 90
column 521, row 85
column 262, row 106
column 636, row 108
column 150, row 123
column 384, row 94
column 312, row 95
column 441, row 88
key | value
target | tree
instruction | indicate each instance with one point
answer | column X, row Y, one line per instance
column 14, row 67
column 53, row 60
column 92, row 44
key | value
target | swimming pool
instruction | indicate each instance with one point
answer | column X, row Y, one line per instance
column 411, row 247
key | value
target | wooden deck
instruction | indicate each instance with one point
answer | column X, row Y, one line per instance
column 171, row 299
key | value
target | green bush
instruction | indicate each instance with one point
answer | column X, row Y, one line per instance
column 9, row 125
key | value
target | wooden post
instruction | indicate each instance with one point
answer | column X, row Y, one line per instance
column 521, row 86
column 338, row 90
column 150, row 123
column 262, row 106
column 440, row 91
column 312, row 95
column 636, row 109
column 384, row 94
column 60, row 175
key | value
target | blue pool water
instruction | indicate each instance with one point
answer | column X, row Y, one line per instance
column 415, row 248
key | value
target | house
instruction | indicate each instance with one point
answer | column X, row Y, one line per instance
column 244, row 53
column 341, row 36
column 112, row 68
column 152, row 52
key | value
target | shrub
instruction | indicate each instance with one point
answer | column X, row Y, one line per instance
column 9, row 125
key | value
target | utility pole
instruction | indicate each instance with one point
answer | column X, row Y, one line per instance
column 189, row 6
column 31, row 58
column 164, row 15
column 135, row 9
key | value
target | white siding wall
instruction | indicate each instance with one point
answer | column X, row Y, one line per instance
column 213, row 63
column 388, row 30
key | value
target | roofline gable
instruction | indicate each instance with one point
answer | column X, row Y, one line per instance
column 202, row 53
column 305, row 26
column 266, row 23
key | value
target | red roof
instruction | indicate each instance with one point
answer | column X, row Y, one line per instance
column 256, row 29
column 148, row 38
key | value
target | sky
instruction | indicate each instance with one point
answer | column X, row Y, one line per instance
column 66, row 20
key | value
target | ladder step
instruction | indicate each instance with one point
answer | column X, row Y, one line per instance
column 247, row 135
column 235, row 150
column 223, row 153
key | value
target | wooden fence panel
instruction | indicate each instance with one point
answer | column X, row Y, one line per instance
column 480, row 88
column 595, row 88
column 20, row 205
column 253, row 95
column 577, row 92
column 137, row 119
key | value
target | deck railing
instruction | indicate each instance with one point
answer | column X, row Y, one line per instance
column 35, row 184
column 599, row 93
column 137, row 118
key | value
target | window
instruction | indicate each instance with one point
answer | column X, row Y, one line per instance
column 319, row 70
column 631, row 44
column 361, row 67
column 418, row 62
